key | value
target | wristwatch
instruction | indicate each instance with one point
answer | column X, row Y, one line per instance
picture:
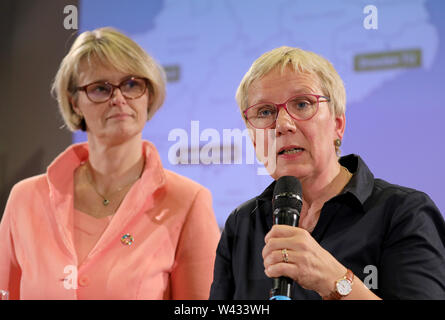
column 343, row 287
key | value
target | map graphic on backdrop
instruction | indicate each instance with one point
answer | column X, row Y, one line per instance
column 207, row 46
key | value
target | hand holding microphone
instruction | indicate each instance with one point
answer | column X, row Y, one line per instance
column 291, row 253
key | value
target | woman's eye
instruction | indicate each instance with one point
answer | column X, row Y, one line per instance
column 130, row 83
column 101, row 88
column 266, row 112
column 298, row 105
column 302, row 104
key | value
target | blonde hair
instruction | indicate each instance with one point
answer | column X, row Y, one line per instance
column 303, row 61
column 108, row 47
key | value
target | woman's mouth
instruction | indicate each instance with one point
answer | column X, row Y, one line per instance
column 118, row 116
column 290, row 150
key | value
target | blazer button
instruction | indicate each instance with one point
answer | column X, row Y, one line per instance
column 84, row 281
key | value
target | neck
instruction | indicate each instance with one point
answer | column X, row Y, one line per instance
column 317, row 191
column 319, row 188
column 113, row 166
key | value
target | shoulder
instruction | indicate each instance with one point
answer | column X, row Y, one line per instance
column 29, row 187
column 183, row 192
column 242, row 215
column 407, row 210
column 246, row 209
column 383, row 185
column 251, row 210
column 376, row 193
column 397, row 196
column 186, row 186
column 24, row 197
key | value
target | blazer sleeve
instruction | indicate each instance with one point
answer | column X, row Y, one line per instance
column 223, row 286
column 10, row 272
column 191, row 276
column 413, row 259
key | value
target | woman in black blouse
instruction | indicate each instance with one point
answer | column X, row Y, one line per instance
column 358, row 237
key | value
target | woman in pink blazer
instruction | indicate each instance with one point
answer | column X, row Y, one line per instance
column 107, row 221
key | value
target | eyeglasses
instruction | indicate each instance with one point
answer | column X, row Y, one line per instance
column 302, row 107
column 131, row 88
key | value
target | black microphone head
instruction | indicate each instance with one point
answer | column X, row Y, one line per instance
column 287, row 193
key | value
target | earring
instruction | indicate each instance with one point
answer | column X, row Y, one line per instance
column 337, row 144
column 79, row 117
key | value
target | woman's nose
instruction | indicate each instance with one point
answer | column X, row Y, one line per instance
column 117, row 97
column 284, row 123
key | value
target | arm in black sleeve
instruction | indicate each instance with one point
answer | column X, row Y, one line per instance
column 413, row 257
column 223, row 286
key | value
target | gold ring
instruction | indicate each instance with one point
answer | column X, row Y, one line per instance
column 285, row 255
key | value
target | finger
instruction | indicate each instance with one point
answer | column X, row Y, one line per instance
column 278, row 244
column 279, row 256
column 282, row 269
column 281, row 231
column 301, row 240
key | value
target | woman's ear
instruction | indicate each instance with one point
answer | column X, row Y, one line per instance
column 340, row 124
column 75, row 107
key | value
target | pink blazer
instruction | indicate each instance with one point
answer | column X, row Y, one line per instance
column 169, row 217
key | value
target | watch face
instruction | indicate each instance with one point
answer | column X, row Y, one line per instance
column 344, row 287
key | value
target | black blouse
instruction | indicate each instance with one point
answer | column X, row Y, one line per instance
column 391, row 237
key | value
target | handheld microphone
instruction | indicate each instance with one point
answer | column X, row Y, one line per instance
column 287, row 202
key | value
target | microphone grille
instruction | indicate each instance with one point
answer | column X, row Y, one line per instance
column 287, row 193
